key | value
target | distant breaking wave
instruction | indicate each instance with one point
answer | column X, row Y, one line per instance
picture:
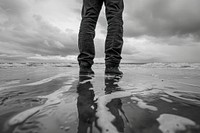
column 165, row 65
column 64, row 64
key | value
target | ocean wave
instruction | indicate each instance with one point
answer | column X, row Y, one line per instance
column 141, row 65
column 164, row 65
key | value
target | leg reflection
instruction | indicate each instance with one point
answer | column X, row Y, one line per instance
column 85, row 104
column 115, row 105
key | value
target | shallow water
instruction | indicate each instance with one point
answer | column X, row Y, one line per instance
column 49, row 99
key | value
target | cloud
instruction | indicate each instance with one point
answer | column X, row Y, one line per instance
column 155, row 30
column 162, row 18
column 26, row 33
column 152, row 49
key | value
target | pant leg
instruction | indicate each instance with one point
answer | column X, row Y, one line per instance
column 90, row 13
column 114, row 39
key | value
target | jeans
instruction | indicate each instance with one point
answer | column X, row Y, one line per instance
column 114, row 38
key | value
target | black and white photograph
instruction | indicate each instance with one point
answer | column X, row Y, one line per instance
column 99, row 66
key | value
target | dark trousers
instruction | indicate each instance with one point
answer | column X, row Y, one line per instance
column 114, row 38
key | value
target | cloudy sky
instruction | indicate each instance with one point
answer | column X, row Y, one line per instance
column 154, row 30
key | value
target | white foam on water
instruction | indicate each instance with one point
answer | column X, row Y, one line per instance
column 170, row 123
column 147, row 90
column 179, row 96
column 188, row 84
column 166, row 96
column 144, row 105
column 105, row 117
column 52, row 100
column 150, row 92
column 166, row 100
column 161, row 91
column 21, row 117
column 46, row 80
column 135, row 89
column 171, row 65
column 10, row 83
column 59, row 92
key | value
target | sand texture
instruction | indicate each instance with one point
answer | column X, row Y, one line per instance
column 54, row 98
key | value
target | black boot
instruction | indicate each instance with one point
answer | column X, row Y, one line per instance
column 113, row 69
column 85, row 68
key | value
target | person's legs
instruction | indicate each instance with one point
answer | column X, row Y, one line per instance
column 90, row 13
column 114, row 39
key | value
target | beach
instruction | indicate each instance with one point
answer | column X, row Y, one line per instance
column 54, row 98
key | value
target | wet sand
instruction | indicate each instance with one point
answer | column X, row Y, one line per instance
column 56, row 99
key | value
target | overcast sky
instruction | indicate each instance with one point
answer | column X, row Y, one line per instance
column 154, row 30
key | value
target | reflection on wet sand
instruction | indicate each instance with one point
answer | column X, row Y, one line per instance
column 87, row 105
column 115, row 105
column 101, row 104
